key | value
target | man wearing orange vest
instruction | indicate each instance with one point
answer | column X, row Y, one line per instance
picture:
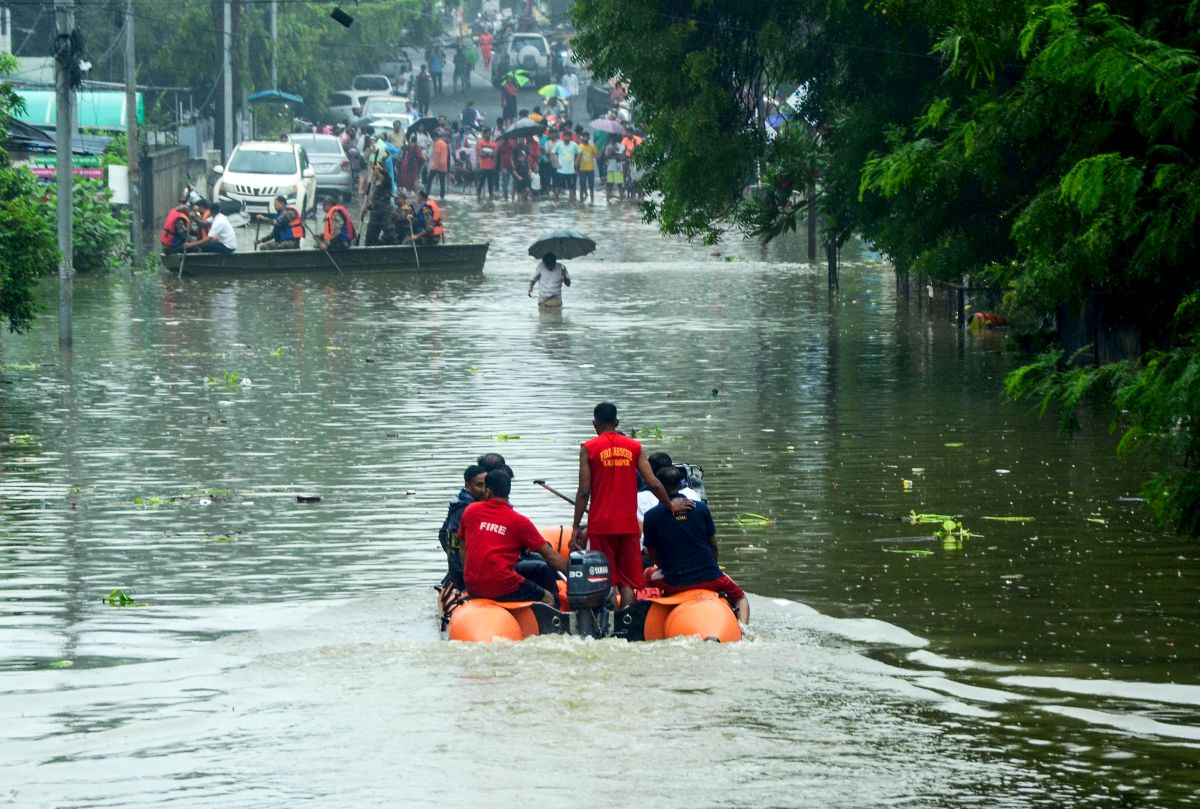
column 431, row 220
column 287, row 229
column 175, row 230
column 339, row 229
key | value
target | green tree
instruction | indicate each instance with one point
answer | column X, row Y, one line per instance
column 27, row 251
column 1049, row 148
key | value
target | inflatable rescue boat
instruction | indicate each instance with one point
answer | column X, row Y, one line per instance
column 589, row 599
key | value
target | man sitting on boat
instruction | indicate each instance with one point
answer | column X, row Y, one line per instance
column 492, row 535
column 287, row 228
column 175, row 230
column 216, row 234
column 471, row 492
column 684, row 546
column 339, row 229
column 429, row 217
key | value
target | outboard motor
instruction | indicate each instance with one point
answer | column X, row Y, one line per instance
column 589, row 590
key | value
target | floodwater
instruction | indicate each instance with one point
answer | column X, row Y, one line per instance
column 286, row 653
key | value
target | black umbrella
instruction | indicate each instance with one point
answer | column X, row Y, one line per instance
column 523, row 128
column 567, row 243
column 431, row 124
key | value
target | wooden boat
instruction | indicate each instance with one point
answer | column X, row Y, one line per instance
column 434, row 258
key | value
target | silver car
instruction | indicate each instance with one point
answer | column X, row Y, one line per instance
column 330, row 162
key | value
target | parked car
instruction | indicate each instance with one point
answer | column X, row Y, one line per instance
column 259, row 170
column 329, row 161
column 344, row 106
column 372, row 83
column 527, row 51
column 379, row 112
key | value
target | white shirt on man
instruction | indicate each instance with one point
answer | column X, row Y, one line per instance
column 222, row 231
column 550, row 281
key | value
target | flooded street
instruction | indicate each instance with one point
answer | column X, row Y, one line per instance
column 287, row 653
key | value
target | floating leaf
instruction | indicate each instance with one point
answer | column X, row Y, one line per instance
column 747, row 518
column 22, row 440
column 275, row 352
column 60, row 664
column 932, row 519
column 118, row 598
column 953, row 444
column 909, row 551
column 1008, row 519
column 19, row 366
column 506, row 437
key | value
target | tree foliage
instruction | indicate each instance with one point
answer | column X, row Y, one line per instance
column 27, row 250
column 1048, row 147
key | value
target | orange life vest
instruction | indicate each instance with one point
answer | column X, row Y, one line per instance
column 435, row 225
column 297, row 223
column 167, row 237
column 347, row 233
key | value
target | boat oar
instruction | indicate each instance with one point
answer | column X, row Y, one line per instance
column 312, row 236
column 553, row 490
column 413, row 239
column 257, row 225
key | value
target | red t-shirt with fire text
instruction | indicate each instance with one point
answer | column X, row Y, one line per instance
column 613, row 461
column 493, row 536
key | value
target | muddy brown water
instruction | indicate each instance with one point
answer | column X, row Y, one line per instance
column 287, row 652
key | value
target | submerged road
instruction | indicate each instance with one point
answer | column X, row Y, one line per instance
column 282, row 653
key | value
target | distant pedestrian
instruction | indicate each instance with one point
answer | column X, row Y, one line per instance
column 566, row 159
column 437, row 63
column 485, row 46
column 587, row 168
column 470, row 116
column 485, row 151
column 460, row 63
column 439, row 165
column 424, row 90
column 508, row 100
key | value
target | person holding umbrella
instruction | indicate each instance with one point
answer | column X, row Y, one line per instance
column 550, row 277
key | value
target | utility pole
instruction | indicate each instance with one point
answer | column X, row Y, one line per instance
column 274, row 44
column 65, row 73
column 131, row 137
column 227, row 82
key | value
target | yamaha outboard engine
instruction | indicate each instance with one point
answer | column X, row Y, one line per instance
column 589, row 590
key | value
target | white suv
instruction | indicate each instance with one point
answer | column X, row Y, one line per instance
column 525, row 51
column 258, row 171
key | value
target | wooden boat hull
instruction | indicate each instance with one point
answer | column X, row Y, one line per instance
column 437, row 258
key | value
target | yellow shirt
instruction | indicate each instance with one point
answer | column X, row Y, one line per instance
column 587, row 157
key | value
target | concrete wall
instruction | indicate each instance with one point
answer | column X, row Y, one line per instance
column 164, row 173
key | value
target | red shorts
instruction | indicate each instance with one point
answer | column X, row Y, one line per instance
column 724, row 585
column 624, row 552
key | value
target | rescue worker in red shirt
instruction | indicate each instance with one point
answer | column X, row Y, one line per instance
column 492, row 535
column 608, row 482
column 287, row 229
column 339, row 229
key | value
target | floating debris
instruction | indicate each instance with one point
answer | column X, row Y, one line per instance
column 60, row 664
column 308, row 498
column 118, row 598
column 909, row 551
column 953, row 444
column 749, row 519
column 1008, row 519
column 750, row 549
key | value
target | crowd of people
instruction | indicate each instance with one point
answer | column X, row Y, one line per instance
column 656, row 533
column 527, row 154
